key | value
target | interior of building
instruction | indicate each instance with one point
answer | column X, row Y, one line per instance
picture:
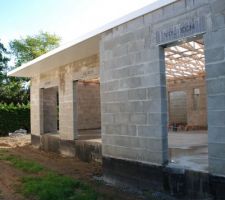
column 187, row 106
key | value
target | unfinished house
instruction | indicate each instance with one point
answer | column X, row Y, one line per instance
column 149, row 89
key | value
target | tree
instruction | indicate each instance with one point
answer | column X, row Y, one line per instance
column 16, row 90
column 31, row 47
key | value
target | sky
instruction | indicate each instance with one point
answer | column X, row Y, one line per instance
column 66, row 18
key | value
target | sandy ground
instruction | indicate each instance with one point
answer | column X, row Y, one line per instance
column 14, row 141
column 67, row 166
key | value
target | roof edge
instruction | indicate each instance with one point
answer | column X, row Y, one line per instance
column 142, row 11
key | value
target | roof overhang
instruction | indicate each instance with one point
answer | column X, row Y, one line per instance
column 82, row 47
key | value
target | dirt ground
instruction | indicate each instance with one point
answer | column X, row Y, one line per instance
column 66, row 166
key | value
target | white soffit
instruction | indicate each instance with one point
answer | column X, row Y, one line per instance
column 83, row 46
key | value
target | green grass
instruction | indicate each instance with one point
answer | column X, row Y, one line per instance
column 53, row 186
column 19, row 163
column 47, row 185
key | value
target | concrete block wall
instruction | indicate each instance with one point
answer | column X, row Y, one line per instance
column 177, row 107
column 133, row 88
column 88, row 105
column 194, row 117
column 36, row 96
column 63, row 78
column 133, row 95
column 215, row 68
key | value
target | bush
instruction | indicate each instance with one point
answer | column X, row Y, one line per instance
column 14, row 117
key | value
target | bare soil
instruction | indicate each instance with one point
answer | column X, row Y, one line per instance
column 10, row 177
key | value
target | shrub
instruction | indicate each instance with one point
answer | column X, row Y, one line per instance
column 14, row 117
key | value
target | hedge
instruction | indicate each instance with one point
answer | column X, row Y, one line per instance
column 14, row 117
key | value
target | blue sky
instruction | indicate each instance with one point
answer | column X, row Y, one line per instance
column 66, row 18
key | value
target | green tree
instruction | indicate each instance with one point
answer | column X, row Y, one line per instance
column 16, row 90
column 31, row 47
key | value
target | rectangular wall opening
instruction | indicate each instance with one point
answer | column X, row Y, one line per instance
column 88, row 108
column 50, row 110
column 187, row 106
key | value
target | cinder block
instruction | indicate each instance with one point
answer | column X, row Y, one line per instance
column 138, row 118
column 137, row 94
column 152, row 131
column 133, row 154
column 157, row 119
column 216, row 86
column 216, row 134
column 132, row 82
column 157, row 92
column 217, row 150
column 214, row 55
column 215, row 70
column 216, row 166
column 216, row 102
column 122, row 118
column 132, row 107
column 216, row 118
column 135, row 24
column 214, row 39
column 120, row 50
column 136, row 45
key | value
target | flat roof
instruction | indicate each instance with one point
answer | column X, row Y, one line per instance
column 81, row 47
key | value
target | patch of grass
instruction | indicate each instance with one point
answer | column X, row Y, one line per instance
column 57, row 187
column 19, row 163
column 48, row 185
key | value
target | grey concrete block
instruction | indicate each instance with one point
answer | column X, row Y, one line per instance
column 216, row 166
column 121, row 96
column 132, row 82
column 138, row 118
column 216, row 134
column 110, row 129
column 189, row 4
column 135, row 24
column 122, row 118
column 133, row 154
column 127, row 37
column 216, row 118
column 214, row 55
column 152, row 131
column 157, row 92
column 123, row 61
column 107, row 118
column 119, row 129
column 218, row 21
column 216, row 150
column 120, row 50
column 216, row 102
column 215, row 70
column 112, row 85
column 136, row 45
column 152, row 80
column 137, row 94
column 151, row 144
column 112, row 107
column 157, row 15
column 214, row 39
column 218, row 6
column 215, row 86
column 155, row 106
column 133, row 107
column 157, row 119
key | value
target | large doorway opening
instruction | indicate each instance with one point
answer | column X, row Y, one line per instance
column 50, row 110
column 187, row 106
column 88, row 109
